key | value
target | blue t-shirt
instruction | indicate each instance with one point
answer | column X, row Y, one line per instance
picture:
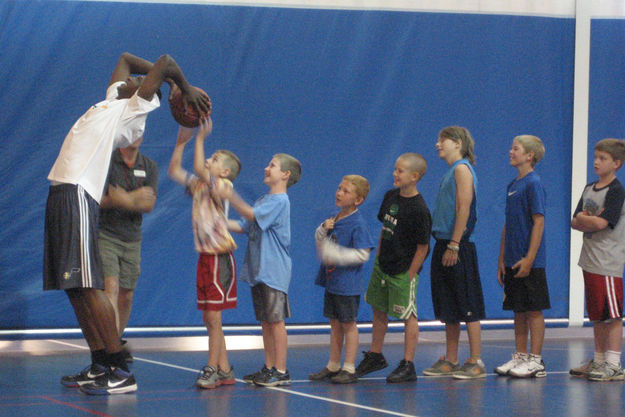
column 350, row 232
column 267, row 258
column 444, row 217
column 525, row 197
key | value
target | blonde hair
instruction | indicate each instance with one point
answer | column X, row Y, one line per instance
column 614, row 147
column 462, row 136
column 231, row 162
column 288, row 163
column 361, row 185
column 416, row 163
column 533, row 144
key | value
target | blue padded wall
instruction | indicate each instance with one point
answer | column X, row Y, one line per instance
column 343, row 91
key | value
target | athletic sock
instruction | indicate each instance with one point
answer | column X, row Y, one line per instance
column 599, row 357
column 117, row 360
column 333, row 366
column 613, row 358
column 349, row 367
column 537, row 358
column 99, row 357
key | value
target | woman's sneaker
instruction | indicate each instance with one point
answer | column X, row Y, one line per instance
column 211, row 378
column 606, row 372
column 532, row 367
column 442, row 367
column 517, row 359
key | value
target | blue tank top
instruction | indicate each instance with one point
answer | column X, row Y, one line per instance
column 444, row 217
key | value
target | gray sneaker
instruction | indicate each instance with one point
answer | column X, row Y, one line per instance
column 208, row 378
column 584, row 368
column 442, row 367
column 471, row 370
column 606, row 372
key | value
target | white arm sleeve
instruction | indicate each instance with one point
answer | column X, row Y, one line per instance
column 334, row 254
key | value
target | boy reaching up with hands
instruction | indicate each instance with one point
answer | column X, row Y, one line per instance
column 216, row 270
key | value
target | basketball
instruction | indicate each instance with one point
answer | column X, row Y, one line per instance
column 185, row 116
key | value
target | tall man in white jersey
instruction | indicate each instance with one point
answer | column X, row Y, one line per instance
column 71, row 259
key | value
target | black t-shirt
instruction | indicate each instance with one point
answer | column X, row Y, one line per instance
column 406, row 223
column 122, row 224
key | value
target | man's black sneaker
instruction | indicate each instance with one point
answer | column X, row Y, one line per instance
column 86, row 376
column 249, row 379
column 371, row 362
column 114, row 381
column 273, row 378
column 403, row 373
column 344, row 377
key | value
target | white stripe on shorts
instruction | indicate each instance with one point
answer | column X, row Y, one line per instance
column 611, row 295
column 85, row 264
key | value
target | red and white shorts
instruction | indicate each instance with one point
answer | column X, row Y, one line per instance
column 604, row 296
column 216, row 282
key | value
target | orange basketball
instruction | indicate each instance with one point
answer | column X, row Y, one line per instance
column 186, row 116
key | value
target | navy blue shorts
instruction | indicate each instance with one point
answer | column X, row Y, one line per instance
column 343, row 308
column 529, row 293
column 71, row 258
column 456, row 290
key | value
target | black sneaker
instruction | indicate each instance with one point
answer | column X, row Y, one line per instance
column 403, row 373
column 344, row 377
column 371, row 362
column 114, row 381
column 273, row 378
column 126, row 352
column 249, row 379
column 322, row 375
column 86, row 376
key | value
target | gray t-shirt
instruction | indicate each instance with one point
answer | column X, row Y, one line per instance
column 603, row 252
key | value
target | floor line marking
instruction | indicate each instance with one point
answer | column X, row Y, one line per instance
column 364, row 407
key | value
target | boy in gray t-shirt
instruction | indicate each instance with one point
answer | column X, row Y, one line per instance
column 600, row 214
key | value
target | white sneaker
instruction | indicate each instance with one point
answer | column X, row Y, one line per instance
column 532, row 367
column 517, row 358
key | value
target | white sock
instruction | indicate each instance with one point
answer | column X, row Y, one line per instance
column 333, row 366
column 613, row 358
column 349, row 367
column 599, row 357
column 537, row 358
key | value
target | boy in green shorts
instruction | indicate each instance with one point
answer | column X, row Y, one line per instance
column 403, row 246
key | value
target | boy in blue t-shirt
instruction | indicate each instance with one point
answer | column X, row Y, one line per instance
column 343, row 245
column 267, row 263
column 521, row 266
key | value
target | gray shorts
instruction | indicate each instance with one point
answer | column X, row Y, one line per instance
column 270, row 305
column 120, row 259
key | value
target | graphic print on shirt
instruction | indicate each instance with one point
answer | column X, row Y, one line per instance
column 390, row 222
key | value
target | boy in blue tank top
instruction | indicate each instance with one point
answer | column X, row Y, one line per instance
column 455, row 278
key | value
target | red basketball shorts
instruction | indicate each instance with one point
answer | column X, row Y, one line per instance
column 604, row 296
column 216, row 282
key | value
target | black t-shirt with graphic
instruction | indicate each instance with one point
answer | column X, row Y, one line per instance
column 406, row 223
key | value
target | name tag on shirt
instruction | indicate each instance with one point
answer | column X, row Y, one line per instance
column 139, row 173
